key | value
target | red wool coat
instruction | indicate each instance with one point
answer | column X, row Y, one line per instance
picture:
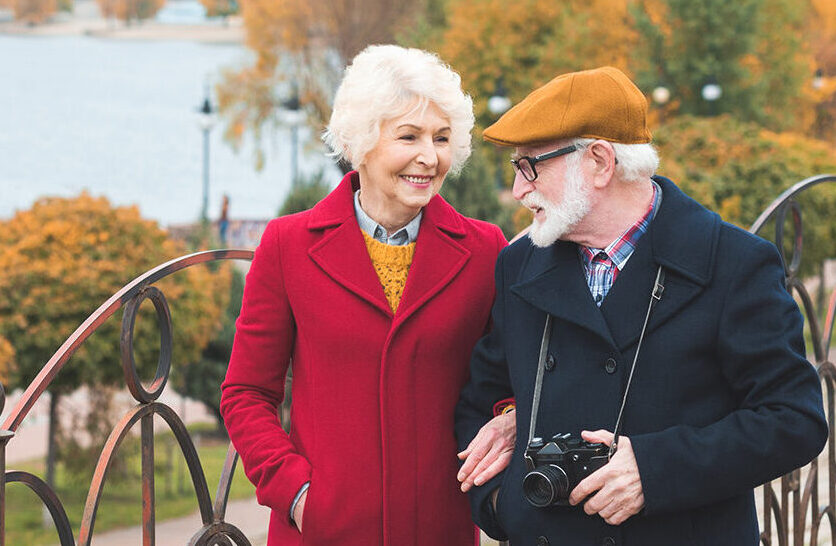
column 373, row 393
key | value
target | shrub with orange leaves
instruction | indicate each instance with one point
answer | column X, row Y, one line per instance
column 64, row 257
column 130, row 10
column 7, row 355
column 737, row 169
column 33, row 11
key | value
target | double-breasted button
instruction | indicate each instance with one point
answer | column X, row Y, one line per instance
column 608, row 541
column 550, row 362
column 542, row 541
column 610, row 365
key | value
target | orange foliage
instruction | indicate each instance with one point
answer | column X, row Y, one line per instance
column 33, row 11
column 63, row 258
column 7, row 354
column 130, row 10
column 531, row 43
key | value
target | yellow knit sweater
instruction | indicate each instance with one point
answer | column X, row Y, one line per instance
column 392, row 265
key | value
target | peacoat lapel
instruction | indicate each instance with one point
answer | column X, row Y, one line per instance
column 553, row 281
column 341, row 252
column 683, row 239
column 439, row 257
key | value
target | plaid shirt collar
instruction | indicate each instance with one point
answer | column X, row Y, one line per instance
column 620, row 250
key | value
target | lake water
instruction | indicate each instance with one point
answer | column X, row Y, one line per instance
column 117, row 118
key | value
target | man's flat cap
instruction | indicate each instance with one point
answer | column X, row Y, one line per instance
column 600, row 103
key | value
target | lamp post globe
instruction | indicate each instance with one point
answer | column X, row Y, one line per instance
column 711, row 92
column 661, row 95
column 818, row 79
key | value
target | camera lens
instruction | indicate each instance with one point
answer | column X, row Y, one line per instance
column 546, row 485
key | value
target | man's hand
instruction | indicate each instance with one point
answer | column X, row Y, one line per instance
column 299, row 510
column 489, row 452
column 615, row 488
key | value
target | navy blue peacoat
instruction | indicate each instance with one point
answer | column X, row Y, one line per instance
column 723, row 398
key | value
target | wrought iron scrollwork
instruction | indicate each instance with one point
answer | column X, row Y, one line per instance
column 793, row 514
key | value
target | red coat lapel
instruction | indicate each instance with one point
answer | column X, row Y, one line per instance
column 338, row 250
column 439, row 256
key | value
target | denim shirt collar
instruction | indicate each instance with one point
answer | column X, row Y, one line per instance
column 404, row 236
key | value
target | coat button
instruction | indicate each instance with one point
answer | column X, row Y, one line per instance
column 550, row 363
column 542, row 541
column 608, row 541
column 610, row 365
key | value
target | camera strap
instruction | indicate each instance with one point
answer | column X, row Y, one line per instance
column 655, row 296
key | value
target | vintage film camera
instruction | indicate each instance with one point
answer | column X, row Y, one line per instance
column 556, row 467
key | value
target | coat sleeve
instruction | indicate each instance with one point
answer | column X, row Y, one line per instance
column 254, row 386
column 779, row 422
column 488, row 383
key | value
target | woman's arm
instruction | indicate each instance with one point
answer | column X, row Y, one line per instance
column 254, row 386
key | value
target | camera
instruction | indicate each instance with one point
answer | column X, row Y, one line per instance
column 556, row 467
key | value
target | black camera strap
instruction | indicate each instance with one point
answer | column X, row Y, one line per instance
column 655, row 296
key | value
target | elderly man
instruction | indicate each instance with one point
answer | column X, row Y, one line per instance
column 630, row 309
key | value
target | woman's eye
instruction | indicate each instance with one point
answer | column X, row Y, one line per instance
column 442, row 139
column 407, row 137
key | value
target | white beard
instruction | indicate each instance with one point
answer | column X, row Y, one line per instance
column 559, row 218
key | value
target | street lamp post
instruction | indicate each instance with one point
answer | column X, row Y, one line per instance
column 206, row 120
column 498, row 104
column 293, row 116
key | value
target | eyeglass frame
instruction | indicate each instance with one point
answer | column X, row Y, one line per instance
column 542, row 157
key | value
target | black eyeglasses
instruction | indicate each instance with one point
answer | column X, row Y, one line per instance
column 525, row 164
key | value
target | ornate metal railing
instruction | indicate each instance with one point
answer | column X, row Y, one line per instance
column 791, row 515
column 794, row 514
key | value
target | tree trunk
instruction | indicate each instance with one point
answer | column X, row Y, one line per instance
column 51, row 452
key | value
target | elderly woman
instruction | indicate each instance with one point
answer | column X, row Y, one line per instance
column 377, row 296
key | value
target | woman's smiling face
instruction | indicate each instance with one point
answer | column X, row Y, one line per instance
column 406, row 168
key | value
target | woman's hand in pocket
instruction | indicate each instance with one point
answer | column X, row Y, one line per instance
column 299, row 510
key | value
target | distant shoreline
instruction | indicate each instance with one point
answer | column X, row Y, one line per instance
column 86, row 21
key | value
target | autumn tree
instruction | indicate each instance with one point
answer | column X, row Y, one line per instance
column 220, row 8
column 130, row 11
column 33, row 11
column 738, row 168
column 63, row 258
column 529, row 44
column 300, row 47
column 753, row 49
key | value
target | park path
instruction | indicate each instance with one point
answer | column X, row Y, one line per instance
column 246, row 514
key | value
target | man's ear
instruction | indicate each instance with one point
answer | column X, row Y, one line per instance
column 602, row 161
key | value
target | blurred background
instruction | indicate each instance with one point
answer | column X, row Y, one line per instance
column 135, row 131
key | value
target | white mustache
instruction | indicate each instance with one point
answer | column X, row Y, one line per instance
column 534, row 200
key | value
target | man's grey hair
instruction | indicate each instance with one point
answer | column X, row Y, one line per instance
column 635, row 161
